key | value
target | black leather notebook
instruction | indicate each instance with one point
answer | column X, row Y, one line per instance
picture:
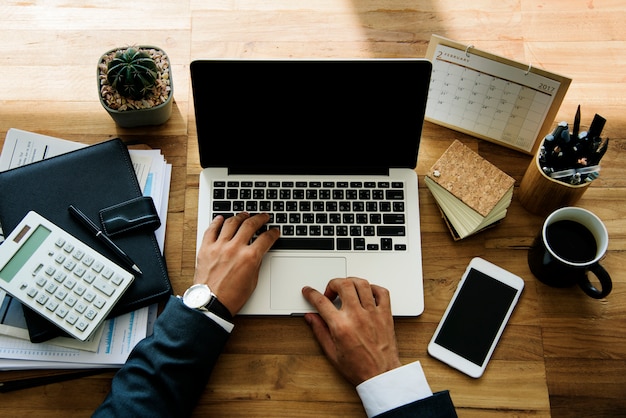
column 91, row 178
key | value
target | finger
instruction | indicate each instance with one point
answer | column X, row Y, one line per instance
column 250, row 226
column 232, row 224
column 365, row 293
column 320, row 302
column 321, row 333
column 213, row 231
column 346, row 291
column 265, row 241
column 381, row 296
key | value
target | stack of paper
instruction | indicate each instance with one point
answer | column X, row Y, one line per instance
column 110, row 346
column 472, row 193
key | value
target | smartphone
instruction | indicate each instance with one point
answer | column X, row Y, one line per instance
column 475, row 317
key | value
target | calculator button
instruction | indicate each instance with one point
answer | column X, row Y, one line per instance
column 91, row 314
column 97, row 267
column 90, row 296
column 32, row 292
column 70, row 283
column 52, row 305
column 89, row 277
column 82, row 325
column 78, row 254
column 99, row 303
column 107, row 273
column 42, row 299
column 104, row 287
column 60, row 294
column 71, row 318
column 61, row 312
column 41, row 281
column 59, row 258
column 117, row 280
column 69, row 265
column 80, row 289
column 88, row 260
column 68, row 248
column 60, row 276
column 80, row 271
column 71, row 301
column 50, row 270
column 80, row 307
column 51, row 288
column 60, row 242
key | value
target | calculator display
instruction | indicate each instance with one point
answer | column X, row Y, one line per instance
column 22, row 255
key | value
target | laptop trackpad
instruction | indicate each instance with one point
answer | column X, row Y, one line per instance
column 290, row 274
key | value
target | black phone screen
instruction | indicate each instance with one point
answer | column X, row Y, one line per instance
column 475, row 317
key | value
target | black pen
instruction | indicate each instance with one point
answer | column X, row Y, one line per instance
column 576, row 123
column 102, row 237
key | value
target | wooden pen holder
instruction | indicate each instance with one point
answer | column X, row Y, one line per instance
column 541, row 194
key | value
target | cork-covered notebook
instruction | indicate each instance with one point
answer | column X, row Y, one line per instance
column 472, row 193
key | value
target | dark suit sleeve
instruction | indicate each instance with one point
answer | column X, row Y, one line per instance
column 166, row 373
column 437, row 406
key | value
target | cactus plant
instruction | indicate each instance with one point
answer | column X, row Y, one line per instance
column 132, row 73
column 135, row 85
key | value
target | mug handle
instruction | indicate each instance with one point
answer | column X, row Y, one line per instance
column 603, row 277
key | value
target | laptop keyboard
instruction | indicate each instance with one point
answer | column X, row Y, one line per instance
column 321, row 215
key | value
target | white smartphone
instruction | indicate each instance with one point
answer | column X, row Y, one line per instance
column 475, row 317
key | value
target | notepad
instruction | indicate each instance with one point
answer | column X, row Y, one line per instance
column 491, row 97
column 471, row 193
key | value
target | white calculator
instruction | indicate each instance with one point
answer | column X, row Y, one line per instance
column 60, row 277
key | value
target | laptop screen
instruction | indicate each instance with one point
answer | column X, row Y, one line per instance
column 310, row 116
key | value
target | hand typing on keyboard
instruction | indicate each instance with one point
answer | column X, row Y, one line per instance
column 227, row 263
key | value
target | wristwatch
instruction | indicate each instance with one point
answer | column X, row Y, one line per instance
column 200, row 296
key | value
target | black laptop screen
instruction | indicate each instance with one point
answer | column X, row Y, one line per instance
column 304, row 116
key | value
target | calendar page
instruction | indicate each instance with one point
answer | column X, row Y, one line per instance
column 490, row 97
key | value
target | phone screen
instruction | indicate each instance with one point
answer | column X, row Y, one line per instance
column 476, row 316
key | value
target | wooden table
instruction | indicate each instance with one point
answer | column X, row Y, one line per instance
column 563, row 353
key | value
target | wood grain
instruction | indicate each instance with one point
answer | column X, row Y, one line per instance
column 562, row 355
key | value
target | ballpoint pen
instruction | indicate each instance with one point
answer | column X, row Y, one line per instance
column 78, row 214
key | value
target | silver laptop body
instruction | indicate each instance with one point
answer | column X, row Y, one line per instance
column 328, row 148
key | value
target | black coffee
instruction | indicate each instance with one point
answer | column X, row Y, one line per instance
column 571, row 241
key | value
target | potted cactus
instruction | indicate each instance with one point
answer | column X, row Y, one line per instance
column 135, row 85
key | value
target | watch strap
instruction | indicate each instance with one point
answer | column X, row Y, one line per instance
column 219, row 309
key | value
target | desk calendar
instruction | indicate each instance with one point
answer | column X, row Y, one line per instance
column 491, row 97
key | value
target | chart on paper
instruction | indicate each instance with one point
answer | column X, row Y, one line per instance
column 488, row 98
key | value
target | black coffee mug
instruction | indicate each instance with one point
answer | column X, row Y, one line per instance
column 569, row 246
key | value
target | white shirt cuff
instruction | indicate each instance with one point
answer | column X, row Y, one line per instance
column 394, row 388
column 228, row 326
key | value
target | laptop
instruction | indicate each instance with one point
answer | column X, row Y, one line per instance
column 328, row 148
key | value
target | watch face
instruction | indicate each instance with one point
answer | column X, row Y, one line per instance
column 197, row 296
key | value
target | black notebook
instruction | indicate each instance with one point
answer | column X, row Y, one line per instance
column 91, row 178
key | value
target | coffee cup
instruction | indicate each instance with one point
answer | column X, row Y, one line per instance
column 570, row 245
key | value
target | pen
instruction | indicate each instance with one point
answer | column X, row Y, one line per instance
column 576, row 123
column 74, row 211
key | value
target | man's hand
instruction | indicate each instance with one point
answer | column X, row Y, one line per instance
column 358, row 338
column 228, row 263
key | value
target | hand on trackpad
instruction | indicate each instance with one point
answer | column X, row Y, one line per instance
column 290, row 274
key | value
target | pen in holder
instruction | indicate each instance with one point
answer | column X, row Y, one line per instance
column 564, row 166
column 541, row 194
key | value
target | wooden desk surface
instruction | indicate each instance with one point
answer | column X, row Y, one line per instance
column 563, row 354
